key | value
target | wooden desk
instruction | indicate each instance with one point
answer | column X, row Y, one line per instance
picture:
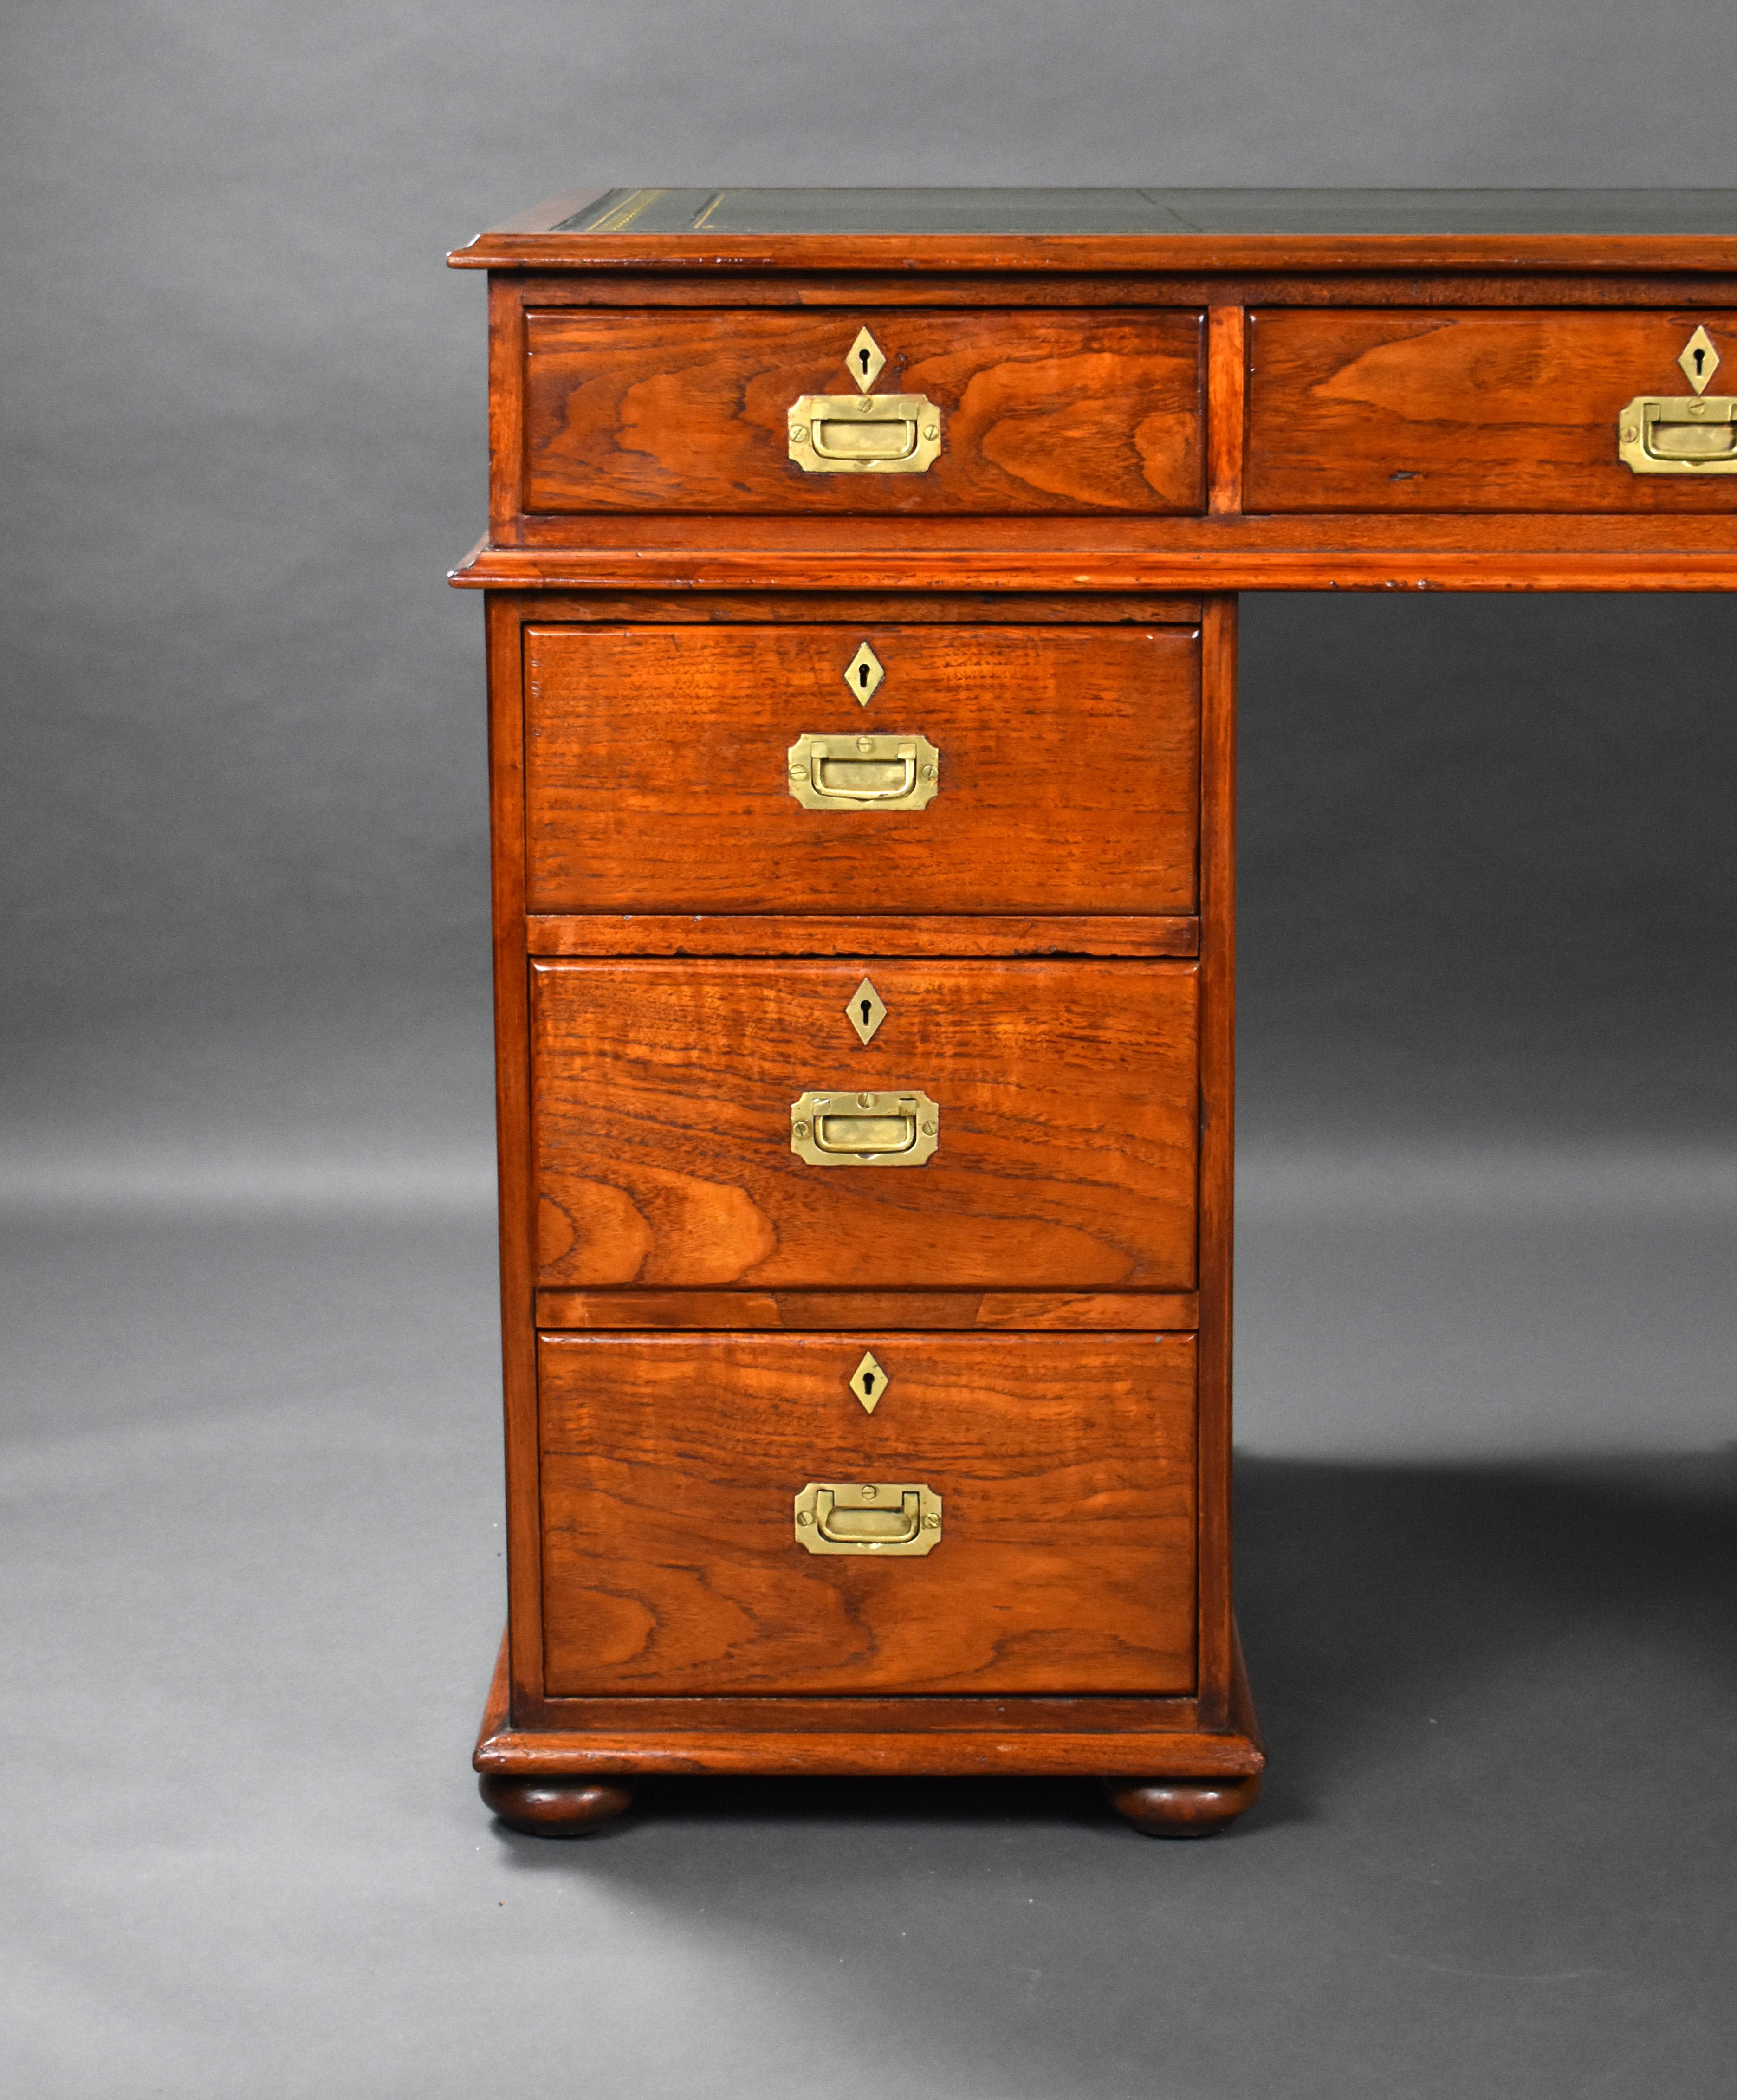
column 862, row 581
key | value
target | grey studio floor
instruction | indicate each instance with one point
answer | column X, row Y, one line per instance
column 253, row 1588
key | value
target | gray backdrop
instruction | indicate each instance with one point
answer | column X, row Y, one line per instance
column 1489, row 1201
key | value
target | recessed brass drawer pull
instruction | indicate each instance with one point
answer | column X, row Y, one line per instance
column 863, row 772
column 887, row 1517
column 865, row 1130
column 876, row 434
column 1680, row 435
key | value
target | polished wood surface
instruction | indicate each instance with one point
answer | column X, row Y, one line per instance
column 849, row 607
column 701, row 933
column 1218, row 1070
column 687, row 412
column 863, row 1733
column 1400, row 411
column 1226, row 371
column 656, row 774
column 799, row 1311
column 516, row 1195
column 1182, row 1808
column 1069, row 1098
column 1065, row 1464
column 1195, row 284
column 928, row 232
column 1152, row 400
column 554, row 1807
column 1330, row 552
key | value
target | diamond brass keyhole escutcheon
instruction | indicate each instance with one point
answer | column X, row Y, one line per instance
column 863, row 674
column 1699, row 360
column 866, row 360
column 869, row 1382
column 867, row 1010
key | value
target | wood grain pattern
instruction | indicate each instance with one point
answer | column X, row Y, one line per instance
column 1227, row 356
column 1018, row 1746
column 1426, row 412
column 1175, row 290
column 697, row 933
column 1068, row 1125
column 799, row 1311
column 1218, row 1125
column 1065, row 1466
column 506, row 413
column 1464, row 412
column 677, row 412
column 656, row 769
column 1335, row 552
column 517, row 1194
column 808, row 608
column 1010, row 1733
column 1281, row 259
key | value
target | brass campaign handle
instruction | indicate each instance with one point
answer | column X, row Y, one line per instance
column 858, row 1134
column 862, row 772
column 899, row 1129
column 876, row 434
column 1683, row 434
column 884, row 1517
column 904, row 758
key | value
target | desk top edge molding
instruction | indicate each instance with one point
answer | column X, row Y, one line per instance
column 1147, row 230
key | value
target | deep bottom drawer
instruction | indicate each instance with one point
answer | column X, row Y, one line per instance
column 1061, row 1469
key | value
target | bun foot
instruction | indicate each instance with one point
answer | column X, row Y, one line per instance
column 554, row 1807
column 1182, row 1808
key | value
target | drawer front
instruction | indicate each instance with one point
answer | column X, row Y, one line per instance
column 1064, row 1102
column 658, row 770
column 1403, row 411
column 1032, row 411
column 1060, row 1470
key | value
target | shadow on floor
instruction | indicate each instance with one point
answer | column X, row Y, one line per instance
column 1364, row 1592
column 1367, row 1591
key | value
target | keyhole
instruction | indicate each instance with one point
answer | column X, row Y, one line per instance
column 868, row 1009
column 868, row 1385
column 863, row 671
column 864, row 356
column 1700, row 359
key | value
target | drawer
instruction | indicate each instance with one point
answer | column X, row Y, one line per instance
column 1061, row 1469
column 1403, row 411
column 659, row 768
column 1031, row 411
column 1064, row 1096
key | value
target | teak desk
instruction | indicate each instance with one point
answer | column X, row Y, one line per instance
column 860, row 587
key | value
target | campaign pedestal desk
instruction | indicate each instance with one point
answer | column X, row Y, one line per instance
column 861, row 583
